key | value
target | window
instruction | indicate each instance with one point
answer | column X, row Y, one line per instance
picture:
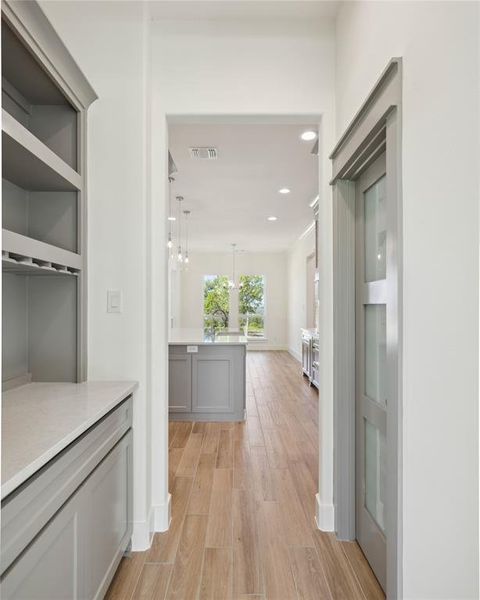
column 216, row 302
column 252, row 305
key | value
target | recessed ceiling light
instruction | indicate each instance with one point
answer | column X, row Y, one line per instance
column 308, row 136
column 283, row 191
column 172, row 218
column 272, row 218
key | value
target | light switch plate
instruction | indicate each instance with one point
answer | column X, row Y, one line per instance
column 192, row 349
column 114, row 301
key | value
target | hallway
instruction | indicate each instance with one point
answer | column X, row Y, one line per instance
column 243, row 506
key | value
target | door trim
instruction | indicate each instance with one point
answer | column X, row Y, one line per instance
column 375, row 129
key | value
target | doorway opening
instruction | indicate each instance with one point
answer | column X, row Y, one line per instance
column 243, row 361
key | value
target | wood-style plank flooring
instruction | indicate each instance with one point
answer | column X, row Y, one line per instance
column 243, row 505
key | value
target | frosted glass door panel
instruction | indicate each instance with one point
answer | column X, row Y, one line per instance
column 375, row 459
column 375, row 352
column 375, row 231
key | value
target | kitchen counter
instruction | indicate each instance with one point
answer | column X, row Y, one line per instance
column 39, row 420
column 207, row 378
column 198, row 337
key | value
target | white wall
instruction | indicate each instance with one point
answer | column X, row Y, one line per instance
column 250, row 69
column 274, row 268
column 297, row 291
column 108, row 40
column 439, row 45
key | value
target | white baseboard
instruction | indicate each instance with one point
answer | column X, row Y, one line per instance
column 325, row 515
column 296, row 355
column 163, row 515
column 143, row 533
column 159, row 518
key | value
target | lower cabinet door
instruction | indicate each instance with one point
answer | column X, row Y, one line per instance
column 180, row 382
column 213, row 382
column 110, row 515
column 75, row 555
column 54, row 566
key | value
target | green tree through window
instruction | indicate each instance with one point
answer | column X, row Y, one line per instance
column 216, row 306
column 252, row 305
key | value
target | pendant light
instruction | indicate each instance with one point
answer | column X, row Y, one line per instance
column 179, row 253
column 187, row 214
column 170, row 218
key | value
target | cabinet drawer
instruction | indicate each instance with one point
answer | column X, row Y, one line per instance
column 27, row 510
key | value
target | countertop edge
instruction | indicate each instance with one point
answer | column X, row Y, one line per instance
column 17, row 480
column 211, row 344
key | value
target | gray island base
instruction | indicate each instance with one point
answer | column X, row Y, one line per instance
column 206, row 376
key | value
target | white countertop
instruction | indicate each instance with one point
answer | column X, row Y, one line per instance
column 40, row 419
column 197, row 337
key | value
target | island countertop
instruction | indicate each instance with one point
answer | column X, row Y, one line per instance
column 39, row 420
column 198, row 337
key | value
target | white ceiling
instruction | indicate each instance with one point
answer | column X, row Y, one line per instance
column 243, row 9
column 232, row 196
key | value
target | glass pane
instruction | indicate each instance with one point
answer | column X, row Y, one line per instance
column 375, row 231
column 216, row 302
column 376, row 352
column 375, row 472
column 251, row 299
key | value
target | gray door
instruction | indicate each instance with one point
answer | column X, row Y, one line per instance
column 371, row 365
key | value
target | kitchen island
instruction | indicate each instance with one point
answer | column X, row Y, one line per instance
column 206, row 376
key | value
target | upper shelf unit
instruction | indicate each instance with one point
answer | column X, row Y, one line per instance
column 30, row 164
column 34, row 99
column 45, row 98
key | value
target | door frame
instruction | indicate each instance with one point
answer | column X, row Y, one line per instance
column 375, row 129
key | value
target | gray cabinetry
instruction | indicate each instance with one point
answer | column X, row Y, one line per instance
column 310, row 356
column 207, row 384
column 54, row 566
column 213, row 381
column 45, row 99
column 180, row 381
column 306, row 354
column 314, row 379
column 65, row 529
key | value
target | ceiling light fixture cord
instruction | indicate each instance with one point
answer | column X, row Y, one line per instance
column 170, row 241
column 187, row 214
column 179, row 230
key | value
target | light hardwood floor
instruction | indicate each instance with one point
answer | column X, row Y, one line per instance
column 243, row 507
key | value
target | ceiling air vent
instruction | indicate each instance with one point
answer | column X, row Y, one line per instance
column 205, row 153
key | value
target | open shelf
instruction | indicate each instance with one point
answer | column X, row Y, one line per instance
column 24, row 253
column 30, row 164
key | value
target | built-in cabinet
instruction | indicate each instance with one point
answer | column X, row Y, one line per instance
column 207, row 382
column 310, row 356
column 306, row 353
column 310, row 337
column 66, row 528
column 44, row 102
column 66, row 516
